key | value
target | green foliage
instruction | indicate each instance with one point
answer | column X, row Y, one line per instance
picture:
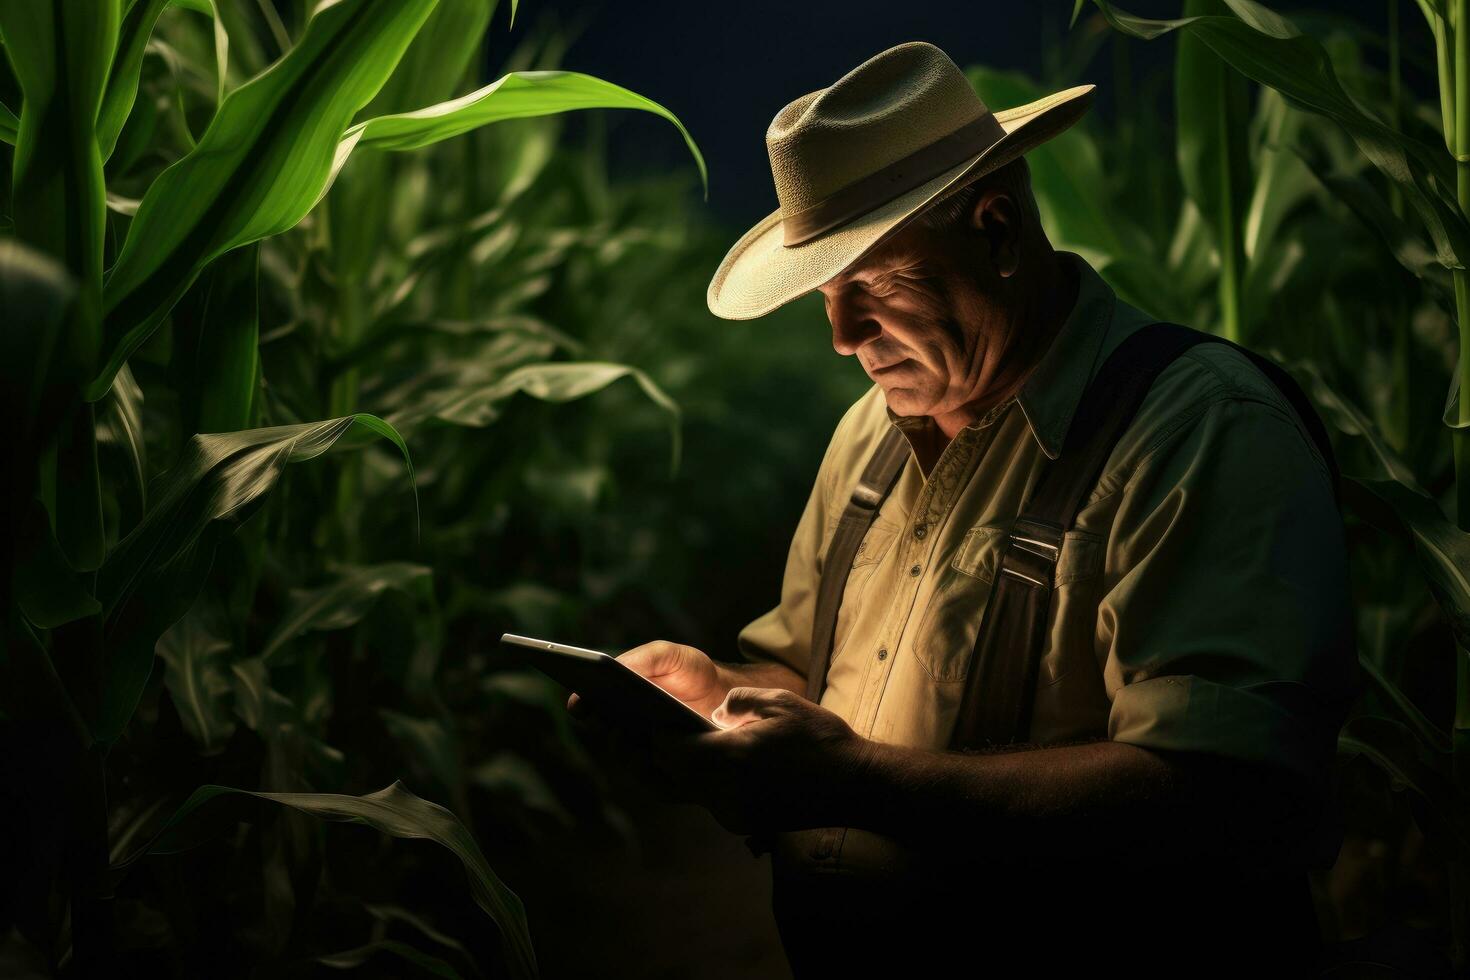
column 196, row 306
column 1324, row 177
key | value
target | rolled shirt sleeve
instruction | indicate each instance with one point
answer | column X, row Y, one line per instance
column 1226, row 625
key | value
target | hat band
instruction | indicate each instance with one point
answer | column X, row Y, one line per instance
column 887, row 183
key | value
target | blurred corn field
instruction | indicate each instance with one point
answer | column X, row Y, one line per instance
column 327, row 359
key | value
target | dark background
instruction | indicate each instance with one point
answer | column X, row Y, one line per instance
column 726, row 69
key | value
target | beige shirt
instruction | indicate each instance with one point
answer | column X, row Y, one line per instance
column 1201, row 600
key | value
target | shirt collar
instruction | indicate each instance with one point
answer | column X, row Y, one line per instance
column 1049, row 397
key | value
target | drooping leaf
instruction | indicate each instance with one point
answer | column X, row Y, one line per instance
column 259, row 168
column 396, row 812
column 556, row 382
column 515, row 96
column 342, row 603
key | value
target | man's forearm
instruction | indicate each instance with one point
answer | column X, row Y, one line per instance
column 1089, row 800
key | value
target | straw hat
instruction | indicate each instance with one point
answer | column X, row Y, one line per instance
column 853, row 162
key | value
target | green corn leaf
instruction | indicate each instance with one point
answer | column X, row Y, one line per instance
column 1072, row 188
column 518, row 95
column 294, row 753
column 121, row 424
column 431, row 70
column 1212, row 109
column 216, row 344
column 127, row 64
column 75, row 498
column 1266, row 48
column 1338, row 411
column 152, row 576
column 9, row 125
column 258, row 169
column 344, row 602
column 48, row 590
column 479, row 405
column 1441, row 549
column 60, row 53
column 396, row 812
column 38, row 365
column 196, row 673
column 1282, row 181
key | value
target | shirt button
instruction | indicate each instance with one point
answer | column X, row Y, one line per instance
column 915, row 570
column 883, row 654
column 920, row 530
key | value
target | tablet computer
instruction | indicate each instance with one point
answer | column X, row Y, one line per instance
column 609, row 687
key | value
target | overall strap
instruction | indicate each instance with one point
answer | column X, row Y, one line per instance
column 995, row 708
column 872, row 487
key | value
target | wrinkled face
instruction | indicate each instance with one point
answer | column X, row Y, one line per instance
column 925, row 314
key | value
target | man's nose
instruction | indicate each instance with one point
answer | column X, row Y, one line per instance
column 851, row 327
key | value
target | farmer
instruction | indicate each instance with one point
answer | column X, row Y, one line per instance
column 1163, row 791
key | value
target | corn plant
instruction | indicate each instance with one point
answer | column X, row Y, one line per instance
column 192, row 185
column 1315, row 217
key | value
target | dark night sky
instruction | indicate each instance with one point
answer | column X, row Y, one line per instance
column 726, row 68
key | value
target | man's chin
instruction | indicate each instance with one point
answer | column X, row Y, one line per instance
column 905, row 401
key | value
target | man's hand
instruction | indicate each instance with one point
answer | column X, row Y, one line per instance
column 686, row 673
column 781, row 762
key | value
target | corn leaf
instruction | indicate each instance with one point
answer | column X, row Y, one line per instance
column 151, row 578
column 60, row 53
column 9, row 125
column 396, row 812
column 196, row 673
column 216, row 344
column 479, row 405
column 1212, row 106
column 518, row 95
column 127, row 64
column 259, row 167
column 121, row 424
column 48, row 590
column 1441, row 548
column 1266, row 48
column 342, row 603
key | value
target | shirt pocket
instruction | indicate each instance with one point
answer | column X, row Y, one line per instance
column 945, row 642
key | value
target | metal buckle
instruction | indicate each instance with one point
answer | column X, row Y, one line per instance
column 867, row 496
column 1043, row 541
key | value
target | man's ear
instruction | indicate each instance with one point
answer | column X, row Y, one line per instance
column 999, row 222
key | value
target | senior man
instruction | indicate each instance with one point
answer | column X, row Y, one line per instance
column 1064, row 637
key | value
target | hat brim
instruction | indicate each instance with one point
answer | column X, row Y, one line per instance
column 760, row 273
